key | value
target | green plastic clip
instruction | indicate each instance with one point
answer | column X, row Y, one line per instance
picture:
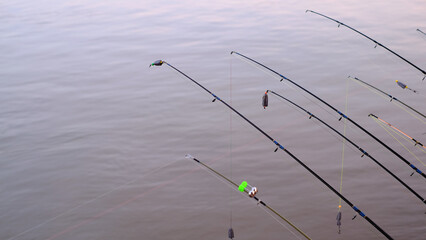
column 242, row 186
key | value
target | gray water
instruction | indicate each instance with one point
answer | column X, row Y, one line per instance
column 93, row 141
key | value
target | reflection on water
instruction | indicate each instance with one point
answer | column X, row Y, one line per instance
column 93, row 141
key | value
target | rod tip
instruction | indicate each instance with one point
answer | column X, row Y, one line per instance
column 232, row 52
column 157, row 63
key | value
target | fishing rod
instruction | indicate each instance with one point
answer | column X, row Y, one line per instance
column 250, row 192
column 390, row 125
column 279, row 146
column 377, row 43
column 364, row 153
column 390, row 96
column 421, row 31
column 340, row 113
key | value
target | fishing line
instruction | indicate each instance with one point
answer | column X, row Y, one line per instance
column 260, row 203
column 399, row 132
column 368, row 88
column 421, row 148
column 93, row 199
column 340, row 113
column 384, row 127
column 279, row 146
column 230, row 230
column 414, row 155
column 288, row 85
column 339, row 213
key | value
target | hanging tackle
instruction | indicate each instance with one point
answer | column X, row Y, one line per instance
column 244, row 187
column 160, row 62
column 403, row 86
column 231, row 233
column 265, row 100
column 369, row 38
column 334, row 109
column 387, row 94
column 364, row 153
column 339, row 219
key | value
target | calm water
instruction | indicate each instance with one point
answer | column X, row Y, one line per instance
column 93, row 141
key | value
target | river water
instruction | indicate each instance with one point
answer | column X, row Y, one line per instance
column 93, row 140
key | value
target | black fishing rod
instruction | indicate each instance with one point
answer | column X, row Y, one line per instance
column 421, row 31
column 279, row 146
column 390, row 96
column 354, row 144
column 377, row 43
column 340, row 113
column 242, row 188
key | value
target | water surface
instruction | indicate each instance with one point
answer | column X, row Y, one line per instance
column 93, row 141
